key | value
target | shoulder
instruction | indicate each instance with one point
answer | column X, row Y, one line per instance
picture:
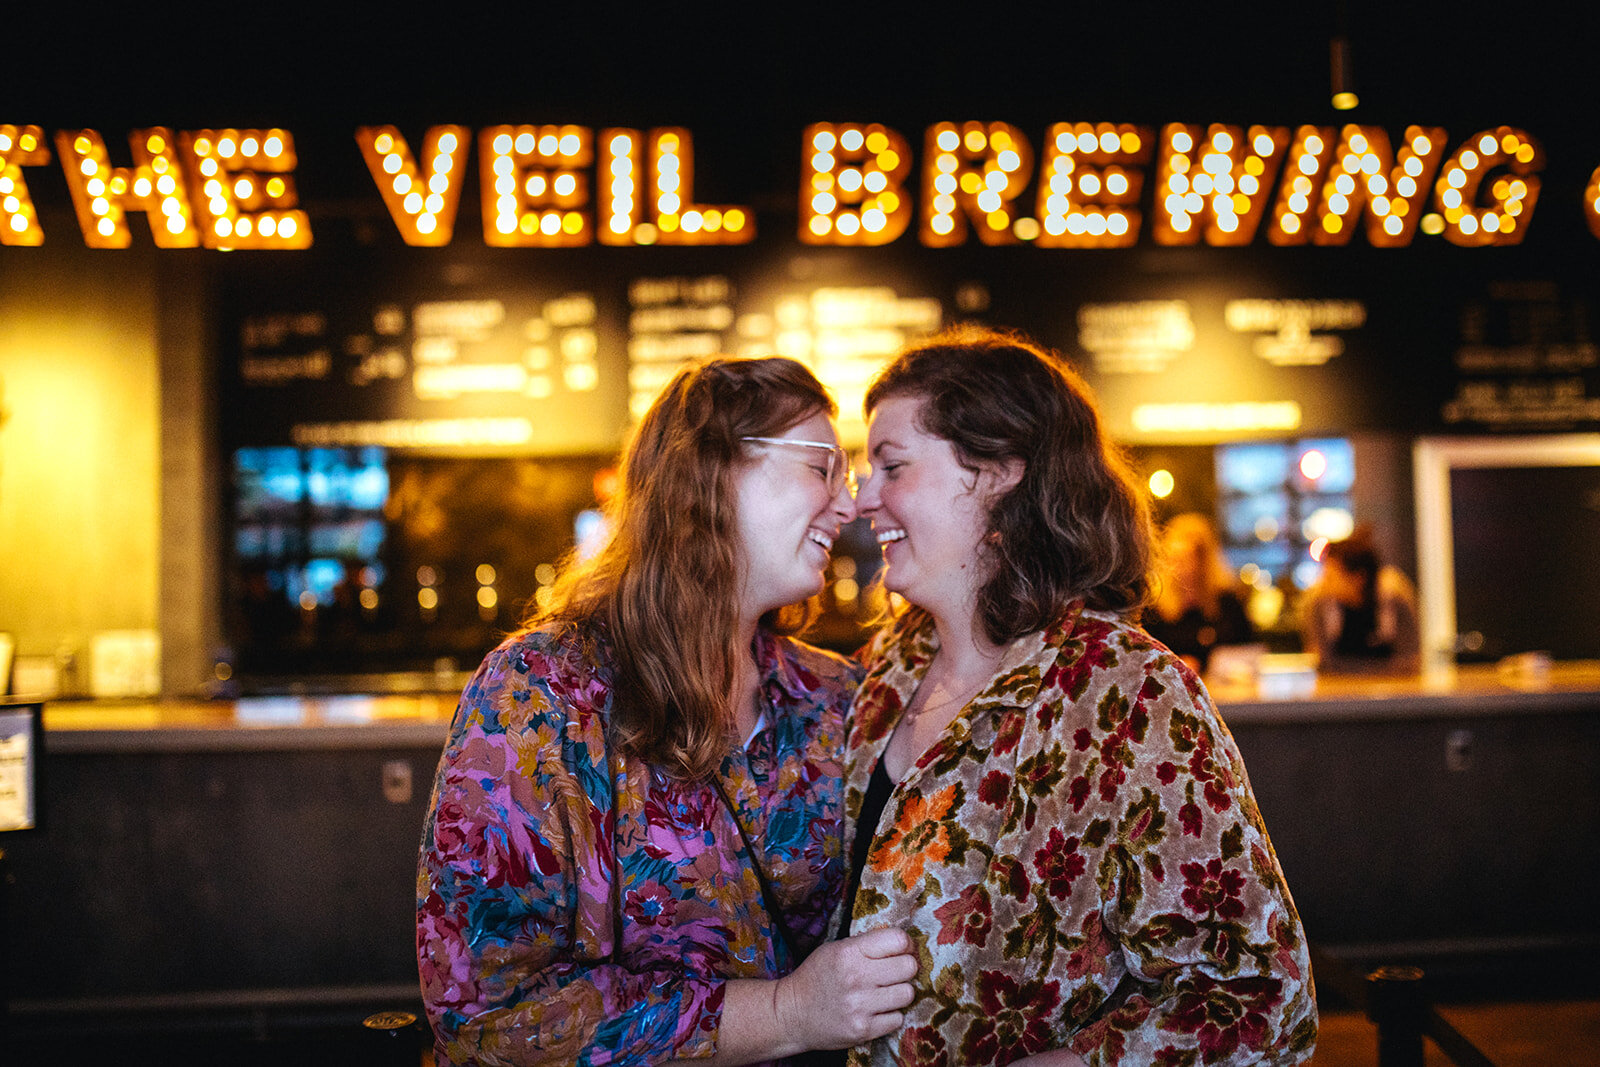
column 1096, row 650
column 538, row 675
column 811, row 674
column 1095, row 633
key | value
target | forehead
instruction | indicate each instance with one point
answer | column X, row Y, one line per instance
column 896, row 420
column 815, row 427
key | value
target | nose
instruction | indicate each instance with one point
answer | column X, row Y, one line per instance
column 867, row 496
column 844, row 502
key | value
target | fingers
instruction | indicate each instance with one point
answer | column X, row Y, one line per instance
column 883, row 1025
column 881, row 943
column 884, row 999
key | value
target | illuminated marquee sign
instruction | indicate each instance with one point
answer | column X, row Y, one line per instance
column 1096, row 185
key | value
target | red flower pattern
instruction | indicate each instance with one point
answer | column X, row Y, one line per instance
column 1015, row 1019
column 966, row 918
column 1058, row 863
column 1211, row 889
column 1118, row 801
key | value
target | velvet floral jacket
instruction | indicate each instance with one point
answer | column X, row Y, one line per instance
column 578, row 907
column 1080, row 862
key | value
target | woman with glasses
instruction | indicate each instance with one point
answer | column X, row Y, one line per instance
column 1040, row 794
column 635, row 836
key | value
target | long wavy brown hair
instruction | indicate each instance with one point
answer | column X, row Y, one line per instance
column 1077, row 524
column 664, row 590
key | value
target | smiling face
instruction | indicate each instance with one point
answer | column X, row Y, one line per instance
column 787, row 518
column 928, row 512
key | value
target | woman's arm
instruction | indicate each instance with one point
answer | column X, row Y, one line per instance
column 515, row 926
column 1200, row 914
column 845, row 993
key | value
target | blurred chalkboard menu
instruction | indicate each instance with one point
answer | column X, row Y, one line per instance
column 1527, row 359
column 496, row 369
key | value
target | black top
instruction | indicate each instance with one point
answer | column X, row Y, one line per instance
column 878, row 790
column 1358, row 634
column 1193, row 634
column 872, row 805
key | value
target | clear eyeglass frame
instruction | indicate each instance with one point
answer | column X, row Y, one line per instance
column 840, row 473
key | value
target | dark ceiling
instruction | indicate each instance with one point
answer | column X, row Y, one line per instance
column 745, row 79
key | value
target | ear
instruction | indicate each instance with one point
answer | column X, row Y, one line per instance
column 998, row 479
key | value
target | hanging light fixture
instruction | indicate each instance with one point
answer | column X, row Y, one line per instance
column 1339, row 67
column 1344, row 93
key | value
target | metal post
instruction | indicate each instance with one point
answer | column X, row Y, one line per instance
column 1397, row 1005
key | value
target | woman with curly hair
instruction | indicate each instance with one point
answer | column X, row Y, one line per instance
column 1042, row 796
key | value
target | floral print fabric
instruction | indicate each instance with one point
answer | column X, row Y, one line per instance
column 1080, row 862
column 578, row 907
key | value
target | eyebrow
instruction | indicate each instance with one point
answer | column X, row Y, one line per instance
column 881, row 445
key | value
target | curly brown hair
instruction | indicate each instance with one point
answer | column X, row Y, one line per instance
column 1077, row 523
column 664, row 590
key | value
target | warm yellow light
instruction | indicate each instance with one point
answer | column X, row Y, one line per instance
column 1161, row 484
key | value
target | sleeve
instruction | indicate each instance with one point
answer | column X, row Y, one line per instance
column 515, row 917
column 1197, row 906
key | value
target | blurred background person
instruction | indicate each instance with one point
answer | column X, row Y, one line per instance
column 1197, row 606
column 1361, row 615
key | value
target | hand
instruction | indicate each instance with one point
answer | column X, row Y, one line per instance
column 849, row 992
column 1055, row 1058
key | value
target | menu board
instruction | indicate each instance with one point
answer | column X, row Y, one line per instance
column 1526, row 360
column 519, row 352
column 498, row 368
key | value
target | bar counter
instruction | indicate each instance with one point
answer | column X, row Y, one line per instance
column 264, row 849
column 364, row 721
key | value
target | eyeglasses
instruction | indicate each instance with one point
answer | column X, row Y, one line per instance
column 840, row 473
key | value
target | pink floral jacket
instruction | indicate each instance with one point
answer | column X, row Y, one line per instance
column 578, row 907
column 1080, row 862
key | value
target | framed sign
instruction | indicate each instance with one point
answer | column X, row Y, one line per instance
column 21, row 758
column 1506, row 527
